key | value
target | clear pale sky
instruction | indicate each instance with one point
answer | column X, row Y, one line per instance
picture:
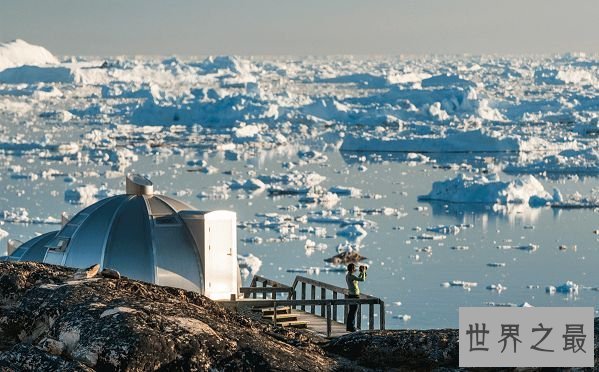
column 301, row 27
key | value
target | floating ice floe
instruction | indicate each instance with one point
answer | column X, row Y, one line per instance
column 528, row 248
column 316, row 270
column 248, row 264
column 496, row 287
column 83, row 194
column 253, row 240
column 352, row 232
column 316, row 230
column 328, row 219
column 312, row 157
column 21, row 215
column 345, row 257
column 218, row 192
column 489, row 190
column 445, row 229
column 326, row 199
column 346, row 191
column 416, row 159
column 507, row 304
column 568, row 287
column 459, row 283
column 311, row 246
column 429, row 237
column 251, row 184
column 3, row 234
column 247, row 132
column 576, row 201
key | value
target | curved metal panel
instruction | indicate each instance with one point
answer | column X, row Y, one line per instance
column 177, row 262
column 174, row 203
column 35, row 249
column 87, row 243
column 157, row 207
column 129, row 247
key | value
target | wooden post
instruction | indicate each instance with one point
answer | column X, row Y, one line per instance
column 345, row 309
column 263, row 293
column 359, row 316
column 313, row 296
column 334, row 306
column 294, row 297
column 328, row 319
column 274, row 317
column 303, row 307
column 382, row 315
column 371, row 316
column 323, row 296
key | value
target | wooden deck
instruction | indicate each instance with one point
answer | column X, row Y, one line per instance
column 321, row 313
column 318, row 324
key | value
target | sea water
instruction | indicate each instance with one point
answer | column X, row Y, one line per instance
column 409, row 273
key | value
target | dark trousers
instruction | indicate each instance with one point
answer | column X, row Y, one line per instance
column 351, row 314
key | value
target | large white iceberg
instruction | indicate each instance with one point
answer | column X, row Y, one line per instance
column 19, row 53
column 456, row 141
column 489, row 190
column 38, row 74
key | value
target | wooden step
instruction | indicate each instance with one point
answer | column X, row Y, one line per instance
column 294, row 324
column 281, row 317
column 280, row 310
column 258, row 307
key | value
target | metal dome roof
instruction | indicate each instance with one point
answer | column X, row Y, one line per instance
column 141, row 235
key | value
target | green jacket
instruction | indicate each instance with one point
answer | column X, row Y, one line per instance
column 352, row 282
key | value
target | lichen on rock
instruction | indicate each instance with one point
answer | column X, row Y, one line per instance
column 50, row 322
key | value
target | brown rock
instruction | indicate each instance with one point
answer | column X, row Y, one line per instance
column 90, row 272
column 51, row 346
column 345, row 258
column 110, row 274
column 129, row 325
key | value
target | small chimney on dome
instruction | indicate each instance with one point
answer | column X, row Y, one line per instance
column 136, row 184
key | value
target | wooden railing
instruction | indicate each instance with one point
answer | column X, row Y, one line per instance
column 325, row 288
column 325, row 306
column 267, row 286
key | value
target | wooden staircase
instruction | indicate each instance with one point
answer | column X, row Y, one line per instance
column 307, row 303
column 285, row 317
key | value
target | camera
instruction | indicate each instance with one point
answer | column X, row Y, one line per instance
column 363, row 268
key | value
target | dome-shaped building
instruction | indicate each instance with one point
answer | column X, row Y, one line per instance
column 153, row 238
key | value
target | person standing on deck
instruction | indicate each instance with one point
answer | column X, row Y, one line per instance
column 354, row 292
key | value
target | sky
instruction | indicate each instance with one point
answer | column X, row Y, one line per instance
column 303, row 27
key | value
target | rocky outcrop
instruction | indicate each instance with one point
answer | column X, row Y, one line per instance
column 409, row 350
column 51, row 321
column 54, row 318
column 405, row 349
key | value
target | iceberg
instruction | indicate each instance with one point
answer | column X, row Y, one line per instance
column 457, row 141
column 19, row 53
column 489, row 190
